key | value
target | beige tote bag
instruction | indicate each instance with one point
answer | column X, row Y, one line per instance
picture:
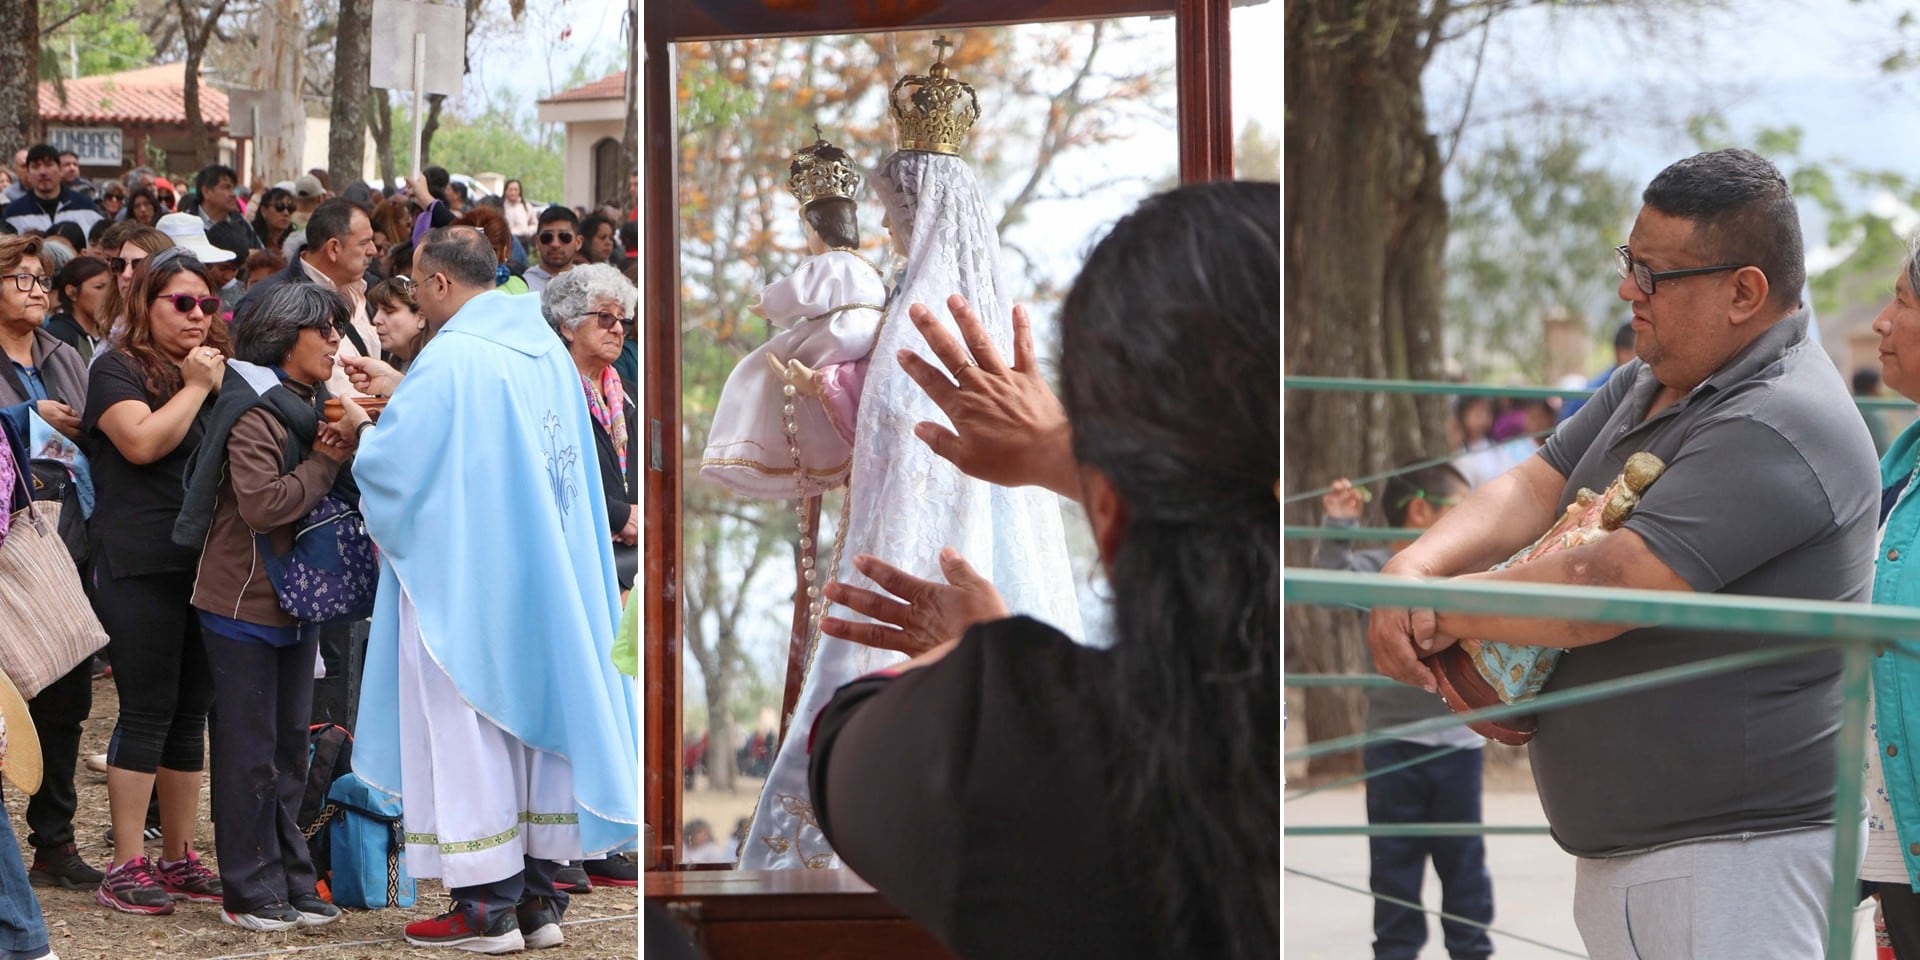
column 47, row 627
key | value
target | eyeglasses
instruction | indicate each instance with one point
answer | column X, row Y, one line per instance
column 563, row 236
column 607, row 320
column 25, row 282
column 284, row 207
column 121, row 264
column 1431, row 500
column 1646, row 279
column 185, row 302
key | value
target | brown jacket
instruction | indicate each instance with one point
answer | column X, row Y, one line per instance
column 255, row 496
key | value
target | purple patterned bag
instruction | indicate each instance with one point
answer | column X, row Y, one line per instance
column 332, row 570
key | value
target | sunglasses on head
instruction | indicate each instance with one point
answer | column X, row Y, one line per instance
column 564, row 236
column 185, row 302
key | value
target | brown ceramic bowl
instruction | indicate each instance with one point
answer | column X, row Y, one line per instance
column 372, row 405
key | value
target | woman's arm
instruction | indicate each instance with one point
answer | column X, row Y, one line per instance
column 144, row 435
column 270, row 499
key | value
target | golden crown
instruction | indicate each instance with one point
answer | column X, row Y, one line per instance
column 822, row 171
column 935, row 111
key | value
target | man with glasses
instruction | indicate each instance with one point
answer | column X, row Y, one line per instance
column 557, row 240
column 1418, row 778
column 1701, row 813
column 48, row 201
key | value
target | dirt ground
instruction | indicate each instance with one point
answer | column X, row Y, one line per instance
column 600, row 926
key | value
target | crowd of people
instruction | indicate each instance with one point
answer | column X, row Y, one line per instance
column 186, row 347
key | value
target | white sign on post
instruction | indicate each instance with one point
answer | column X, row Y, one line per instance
column 96, row 146
column 396, row 21
column 420, row 47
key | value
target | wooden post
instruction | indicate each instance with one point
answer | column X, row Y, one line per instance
column 1205, row 82
column 660, row 379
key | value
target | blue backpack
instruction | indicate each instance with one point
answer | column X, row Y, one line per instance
column 331, row 572
column 367, row 847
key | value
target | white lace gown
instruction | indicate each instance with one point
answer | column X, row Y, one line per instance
column 908, row 503
column 827, row 311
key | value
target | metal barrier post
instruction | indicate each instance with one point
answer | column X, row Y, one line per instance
column 1856, row 684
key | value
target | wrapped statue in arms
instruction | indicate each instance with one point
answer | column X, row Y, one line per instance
column 1476, row 674
column 783, row 428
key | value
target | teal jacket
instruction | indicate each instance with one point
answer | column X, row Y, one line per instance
column 1896, row 679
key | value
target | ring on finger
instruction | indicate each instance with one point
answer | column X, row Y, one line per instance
column 970, row 362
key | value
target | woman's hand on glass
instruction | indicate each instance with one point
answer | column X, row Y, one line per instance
column 925, row 615
column 1008, row 427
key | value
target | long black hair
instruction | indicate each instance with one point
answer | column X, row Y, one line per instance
column 1170, row 375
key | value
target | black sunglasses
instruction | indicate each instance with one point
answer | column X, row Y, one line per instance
column 283, row 207
column 185, row 302
column 1647, row 279
column 25, row 282
column 548, row 236
column 120, row 264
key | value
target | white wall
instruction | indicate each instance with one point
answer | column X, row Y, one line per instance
column 581, row 137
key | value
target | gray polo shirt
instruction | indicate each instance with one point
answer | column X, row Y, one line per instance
column 1771, row 489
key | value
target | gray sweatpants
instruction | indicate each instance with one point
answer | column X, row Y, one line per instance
column 1737, row 899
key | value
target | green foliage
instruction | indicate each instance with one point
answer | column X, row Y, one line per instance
column 1532, row 234
column 1844, row 196
column 106, row 34
column 489, row 142
column 1257, row 155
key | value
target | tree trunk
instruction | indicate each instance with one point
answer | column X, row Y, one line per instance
column 1367, row 223
column 197, row 29
column 19, row 68
column 723, row 737
column 380, row 113
column 352, row 57
column 630, row 139
column 276, row 70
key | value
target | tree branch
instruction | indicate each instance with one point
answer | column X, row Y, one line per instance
column 1064, row 107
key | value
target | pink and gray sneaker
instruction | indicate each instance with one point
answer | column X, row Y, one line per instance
column 132, row 888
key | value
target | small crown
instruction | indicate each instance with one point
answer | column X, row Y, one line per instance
column 935, row 111
column 822, row 171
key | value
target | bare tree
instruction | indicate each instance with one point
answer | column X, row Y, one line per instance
column 197, row 21
column 353, row 53
column 1367, row 220
column 19, row 70
column 280, row 37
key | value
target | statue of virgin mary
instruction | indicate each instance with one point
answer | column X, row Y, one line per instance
column 906, row 503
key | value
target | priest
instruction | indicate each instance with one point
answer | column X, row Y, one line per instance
column 490, row 705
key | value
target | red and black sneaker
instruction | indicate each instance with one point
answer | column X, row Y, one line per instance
column 499, row 933
column 613, row 870
column 189, row 879
column 131, row 888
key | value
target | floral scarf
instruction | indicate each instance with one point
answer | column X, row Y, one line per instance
column 607, row 401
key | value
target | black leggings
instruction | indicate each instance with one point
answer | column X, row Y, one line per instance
column 160, row 670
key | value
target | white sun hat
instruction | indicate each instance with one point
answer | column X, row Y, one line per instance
column 187, row 232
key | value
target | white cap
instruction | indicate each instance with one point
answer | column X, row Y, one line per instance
column 186, row 232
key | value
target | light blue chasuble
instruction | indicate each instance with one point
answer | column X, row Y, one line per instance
column 481, row 489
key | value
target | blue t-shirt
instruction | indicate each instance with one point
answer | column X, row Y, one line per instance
column 31, row 382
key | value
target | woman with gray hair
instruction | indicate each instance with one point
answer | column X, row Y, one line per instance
column 267, row 462
column 590, row 307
